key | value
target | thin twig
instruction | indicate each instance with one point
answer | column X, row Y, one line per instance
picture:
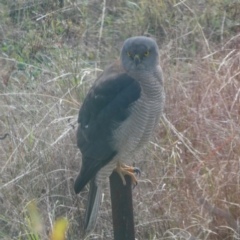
column 101, row 27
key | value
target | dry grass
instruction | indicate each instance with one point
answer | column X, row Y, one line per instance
column 189, row 188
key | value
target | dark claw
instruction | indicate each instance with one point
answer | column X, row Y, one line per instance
column 134, row 185
column 3, row 137
column 137, row 171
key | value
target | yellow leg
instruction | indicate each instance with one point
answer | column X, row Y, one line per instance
column 123, row 170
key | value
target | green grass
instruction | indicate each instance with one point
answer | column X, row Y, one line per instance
column 50, row 56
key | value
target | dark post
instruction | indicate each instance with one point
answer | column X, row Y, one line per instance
column 122, row 207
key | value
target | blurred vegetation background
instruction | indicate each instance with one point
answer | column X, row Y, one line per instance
column 50, row 53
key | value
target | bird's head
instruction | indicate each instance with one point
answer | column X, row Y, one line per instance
column 139, row 53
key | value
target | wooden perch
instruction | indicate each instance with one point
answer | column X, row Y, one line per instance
column 122, row 207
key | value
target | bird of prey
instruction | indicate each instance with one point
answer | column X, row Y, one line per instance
column 117, row 118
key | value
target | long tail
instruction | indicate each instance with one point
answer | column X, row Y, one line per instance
column 94, row 200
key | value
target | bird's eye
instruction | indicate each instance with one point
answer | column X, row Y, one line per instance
column 128, row 53
column 146, row 53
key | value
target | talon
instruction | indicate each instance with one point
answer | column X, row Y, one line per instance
column 137, row 171
column 123, row 170
column 135, row 184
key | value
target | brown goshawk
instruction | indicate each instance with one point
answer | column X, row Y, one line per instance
column 117, row 118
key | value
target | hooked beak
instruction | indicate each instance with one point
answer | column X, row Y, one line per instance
column 137, row 59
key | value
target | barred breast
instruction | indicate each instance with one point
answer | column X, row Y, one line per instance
column 136, row 131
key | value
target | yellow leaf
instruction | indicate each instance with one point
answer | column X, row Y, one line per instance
column 59, row 229
column 35, row 218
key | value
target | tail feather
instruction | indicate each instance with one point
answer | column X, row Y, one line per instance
column 94, row 200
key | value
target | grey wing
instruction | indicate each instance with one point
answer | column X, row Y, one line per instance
column 104, row 109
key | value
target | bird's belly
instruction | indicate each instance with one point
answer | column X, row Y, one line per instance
column 136, row 131
column 133, row 133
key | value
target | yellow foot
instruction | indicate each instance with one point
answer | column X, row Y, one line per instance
column 123, row 170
